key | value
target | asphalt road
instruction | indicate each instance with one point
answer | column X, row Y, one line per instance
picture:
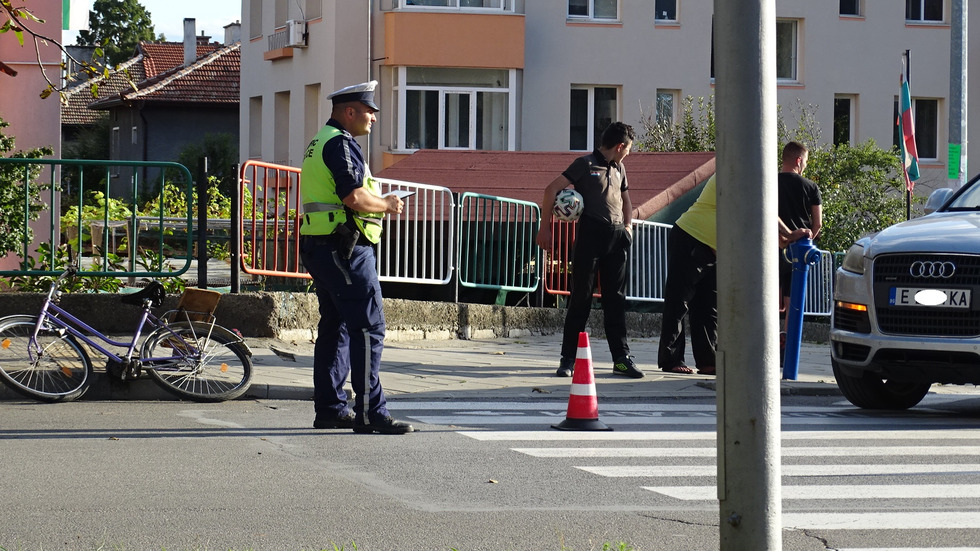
column 493, row 475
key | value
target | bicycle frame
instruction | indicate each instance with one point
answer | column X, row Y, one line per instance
column 54, row 315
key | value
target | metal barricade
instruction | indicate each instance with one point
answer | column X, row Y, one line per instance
column 496, row 243
column 557, row 268
column 417, row 245
column 819, row 299
column 271, row 210
column 120, row 185
column 647, row 269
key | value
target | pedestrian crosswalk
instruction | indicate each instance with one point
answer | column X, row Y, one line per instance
column 842, row 468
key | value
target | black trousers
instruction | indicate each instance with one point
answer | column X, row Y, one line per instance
column 599, row 248
column 690, row 289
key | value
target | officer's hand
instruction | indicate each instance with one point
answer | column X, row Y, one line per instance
column 395, row 205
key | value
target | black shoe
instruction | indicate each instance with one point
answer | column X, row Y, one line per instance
column 565, row 367
column 345, row 421
column 625, row 366
column 388, row 425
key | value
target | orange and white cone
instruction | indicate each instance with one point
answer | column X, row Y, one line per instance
column 583, row 408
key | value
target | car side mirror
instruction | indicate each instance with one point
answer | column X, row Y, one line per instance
column 937, row 199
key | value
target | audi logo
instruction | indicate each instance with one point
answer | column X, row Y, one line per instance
column 932, row 269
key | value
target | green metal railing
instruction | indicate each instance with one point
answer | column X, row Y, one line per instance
column 53, row 185
column 496, row 243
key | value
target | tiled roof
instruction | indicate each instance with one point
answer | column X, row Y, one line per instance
column 212, row 79
column 164, row 56
column 655, row 179
column 75, row 111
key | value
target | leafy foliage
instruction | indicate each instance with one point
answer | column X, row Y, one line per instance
column 695, row 132
column 117, row 26
column 221, row 149
column 15, row 192
column 862, row 191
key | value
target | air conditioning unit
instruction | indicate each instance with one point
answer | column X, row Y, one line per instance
column 296, row 33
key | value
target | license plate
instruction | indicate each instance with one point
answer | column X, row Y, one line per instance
column 940, row 298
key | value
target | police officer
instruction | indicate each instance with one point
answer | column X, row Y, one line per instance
column 342, row 212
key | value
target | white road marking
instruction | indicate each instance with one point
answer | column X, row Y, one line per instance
column 786, row 470
column 839, row 451
column 837, row 491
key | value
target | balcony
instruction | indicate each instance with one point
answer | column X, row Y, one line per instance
column 454, row 39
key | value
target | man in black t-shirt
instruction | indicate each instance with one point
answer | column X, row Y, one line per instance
column 799, row 207
column 602, row 244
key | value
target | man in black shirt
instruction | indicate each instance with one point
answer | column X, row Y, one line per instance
column 602, row 244
column 799, row 207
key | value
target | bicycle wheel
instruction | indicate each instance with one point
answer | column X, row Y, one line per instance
column 54, row 368
column 186, row 361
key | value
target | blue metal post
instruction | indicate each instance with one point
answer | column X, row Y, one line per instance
column 802, row 254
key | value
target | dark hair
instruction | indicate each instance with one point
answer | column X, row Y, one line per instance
column 617, row 133
column 792, row 150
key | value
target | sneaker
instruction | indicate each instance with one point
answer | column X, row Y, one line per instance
column 625, row 366
column 388, row 425
column 344, row 421
column 565, row 367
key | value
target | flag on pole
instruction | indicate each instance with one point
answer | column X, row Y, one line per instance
column 74, row 15
column 906, row 125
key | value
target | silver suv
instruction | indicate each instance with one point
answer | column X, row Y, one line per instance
column 904, row 315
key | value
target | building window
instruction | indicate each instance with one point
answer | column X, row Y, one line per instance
column 850, row 7
column 592, row 109
column 844, row 119
column 593, row 9
column 280, row 149
column 311, row 111
column 114, row 152
column 666, row 100
column 314, row 10
column 458, row 4
column 255, row 18
column 666, row 10
column 455, row 108
column 923, row 10
column 786, row 49
column 282, row 13
column 925, row 113
column 255, row 127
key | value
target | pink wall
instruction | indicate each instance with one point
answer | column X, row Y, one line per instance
column 34, row 122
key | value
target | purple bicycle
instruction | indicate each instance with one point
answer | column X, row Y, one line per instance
column 184, row 351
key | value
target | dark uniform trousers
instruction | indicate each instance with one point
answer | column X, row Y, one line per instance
column 690, row 289
column 351, row 330
column 603, row 246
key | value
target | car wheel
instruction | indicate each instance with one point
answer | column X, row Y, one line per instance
column 870, row 392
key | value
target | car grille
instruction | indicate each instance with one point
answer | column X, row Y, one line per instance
column 893, row 270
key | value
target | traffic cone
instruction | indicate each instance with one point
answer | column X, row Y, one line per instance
column 583, row 409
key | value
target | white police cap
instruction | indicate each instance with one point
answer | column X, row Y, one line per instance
column 363, row 92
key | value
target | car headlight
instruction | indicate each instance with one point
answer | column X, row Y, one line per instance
column 854, row 259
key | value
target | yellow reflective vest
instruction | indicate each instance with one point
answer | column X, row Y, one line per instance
column 323, row 210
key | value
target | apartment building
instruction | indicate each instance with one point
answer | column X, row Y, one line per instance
column 548, row 75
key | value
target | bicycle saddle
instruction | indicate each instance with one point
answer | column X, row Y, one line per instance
column 154, row 292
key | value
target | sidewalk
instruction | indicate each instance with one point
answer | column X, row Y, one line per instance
column 478, row 370
column 508, row 369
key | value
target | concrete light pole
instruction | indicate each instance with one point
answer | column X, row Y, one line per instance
column 748, row 375
column 958, row 54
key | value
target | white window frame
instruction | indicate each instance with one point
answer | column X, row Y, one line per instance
column 454, row 5
column 922, row 19
column 794, row 55
column 591, row 137
column 591, row 15
column 401, row 90
column 657, row 16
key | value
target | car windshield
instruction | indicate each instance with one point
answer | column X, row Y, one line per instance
column 968, row 200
